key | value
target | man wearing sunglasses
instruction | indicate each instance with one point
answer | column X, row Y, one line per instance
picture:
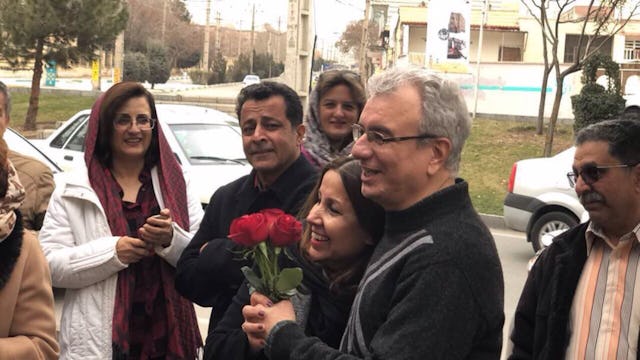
column 581, row 300
column 433, row 288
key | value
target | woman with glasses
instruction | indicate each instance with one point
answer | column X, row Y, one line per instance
column 334, row 106
column 113, row 233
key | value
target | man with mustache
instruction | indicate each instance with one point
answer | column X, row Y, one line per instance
column 270, row 116
column 581, row 299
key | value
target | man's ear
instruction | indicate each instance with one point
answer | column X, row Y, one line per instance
column 440, row 149
column 300, row 130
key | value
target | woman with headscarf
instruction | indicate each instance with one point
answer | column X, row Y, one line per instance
column 113, row 234
column 335, row 105
column 27, row 322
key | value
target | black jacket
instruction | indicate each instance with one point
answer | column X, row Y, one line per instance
column 433, row 289
column 212, row 278
column 543, row 313
column 327, row 313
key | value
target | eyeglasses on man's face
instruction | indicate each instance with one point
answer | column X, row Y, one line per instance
column 591, row 173
column 377, row 138
column 143, row 122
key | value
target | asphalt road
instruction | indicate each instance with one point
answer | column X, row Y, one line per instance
column 514, row 253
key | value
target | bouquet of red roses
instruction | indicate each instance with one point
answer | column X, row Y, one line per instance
column 264, row 234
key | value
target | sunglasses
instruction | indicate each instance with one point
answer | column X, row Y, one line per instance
column 591, row 173
column 335, row 73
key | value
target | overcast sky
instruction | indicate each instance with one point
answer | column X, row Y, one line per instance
column 331, row 16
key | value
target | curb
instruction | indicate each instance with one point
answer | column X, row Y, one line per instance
column 493, row 221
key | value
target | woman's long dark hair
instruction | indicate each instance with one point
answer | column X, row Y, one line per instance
column 4, row 167
column 113, row 100
column 370, row 217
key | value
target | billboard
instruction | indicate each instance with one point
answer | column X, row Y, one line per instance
column 448, row 32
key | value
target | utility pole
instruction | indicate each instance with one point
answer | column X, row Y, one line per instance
column 253, row 18
column 205, row 52
column 363, row 43
column 218, row 19
column 164, row 19
column 269, row 55
column 477, row 82
column 118, row 59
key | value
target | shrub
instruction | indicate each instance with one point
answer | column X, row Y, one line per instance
column 199, row 77
column 136, row 67
column 159, row 67
column 596, row 103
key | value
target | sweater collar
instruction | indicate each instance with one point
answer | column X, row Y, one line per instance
column 426, row 210
column 290, row 179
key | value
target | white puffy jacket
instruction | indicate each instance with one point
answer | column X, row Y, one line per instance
column 77, row 242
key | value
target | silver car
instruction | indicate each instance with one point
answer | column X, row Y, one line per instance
column 540, row 200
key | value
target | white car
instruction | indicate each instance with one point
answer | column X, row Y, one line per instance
column 250, row 80
column 206, row 142
column 540, row 200
column 632, row 107
column 19, row 143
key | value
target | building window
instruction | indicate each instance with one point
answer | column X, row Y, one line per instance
column 632, row 49
column 571, row 46
column 509, row 54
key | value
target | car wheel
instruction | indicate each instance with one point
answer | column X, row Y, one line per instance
column 551, row 221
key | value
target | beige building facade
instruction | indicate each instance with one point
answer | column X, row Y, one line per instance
column 511, row 60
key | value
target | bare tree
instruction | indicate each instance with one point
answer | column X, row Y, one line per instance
column 599, row 22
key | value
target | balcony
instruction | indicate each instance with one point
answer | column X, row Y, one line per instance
column 631, row 55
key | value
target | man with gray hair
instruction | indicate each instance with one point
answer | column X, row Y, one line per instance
column 433, row 288
column 581, row 299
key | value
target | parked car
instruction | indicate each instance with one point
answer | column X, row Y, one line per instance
column 19, row 143
column 250, row 80
column 206, row 142
column 632, row 107
column 540, row 199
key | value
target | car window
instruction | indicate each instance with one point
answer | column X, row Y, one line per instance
column 204, row 143
column 77, row 140
column 62, row 138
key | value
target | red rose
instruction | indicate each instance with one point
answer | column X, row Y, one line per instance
column 249, row 230
column 286, row 230
column 271, row 215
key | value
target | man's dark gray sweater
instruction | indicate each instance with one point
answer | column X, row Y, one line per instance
column 433, row 290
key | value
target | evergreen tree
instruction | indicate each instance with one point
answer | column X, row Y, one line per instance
column 159, row 66
column 136, row 67
column 219, row 69
column 36, row 31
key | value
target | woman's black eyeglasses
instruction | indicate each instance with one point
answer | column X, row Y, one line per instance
column 591, row 173
column 377, row 138
column 124, row 122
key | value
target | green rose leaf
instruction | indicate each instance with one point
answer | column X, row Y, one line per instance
column 253, row 279
column 289, row 279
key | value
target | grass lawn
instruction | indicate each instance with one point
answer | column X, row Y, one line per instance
column 492, row 149
column 487, row 158
column 52, row 108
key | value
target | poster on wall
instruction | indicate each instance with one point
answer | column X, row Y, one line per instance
column 448, row 32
